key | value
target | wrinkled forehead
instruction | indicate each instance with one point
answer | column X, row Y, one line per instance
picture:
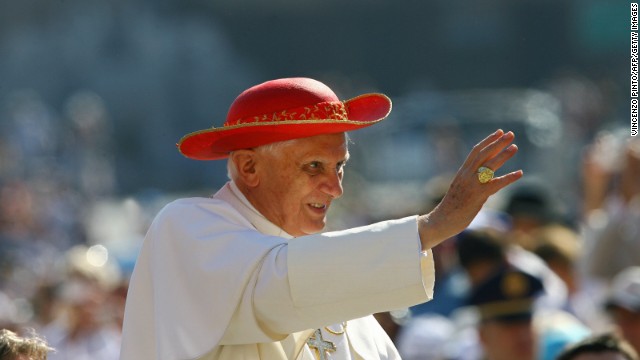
column 315, row 144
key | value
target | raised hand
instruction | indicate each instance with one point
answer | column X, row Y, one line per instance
column 467, row 194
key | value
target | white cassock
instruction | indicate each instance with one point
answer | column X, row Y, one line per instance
column 217, row 280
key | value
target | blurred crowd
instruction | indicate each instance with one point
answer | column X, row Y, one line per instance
column 57, row 277
column 524, row 281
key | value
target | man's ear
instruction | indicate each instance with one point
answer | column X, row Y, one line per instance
column 245, row 166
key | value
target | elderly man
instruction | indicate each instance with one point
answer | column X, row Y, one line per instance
column 246, row 274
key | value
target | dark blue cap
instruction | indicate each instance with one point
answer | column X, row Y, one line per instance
column 507, row 295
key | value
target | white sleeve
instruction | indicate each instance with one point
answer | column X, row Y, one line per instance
column 327, row 278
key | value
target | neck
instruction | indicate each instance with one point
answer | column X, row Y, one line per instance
column 253, row 213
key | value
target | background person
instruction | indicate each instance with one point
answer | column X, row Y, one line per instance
column 16, row 347
column 623, row 304
column 510, row 325
column 611, row 205
column 504, row 302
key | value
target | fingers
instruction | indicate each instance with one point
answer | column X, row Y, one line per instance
column 489, row 152
column 497, row 161
column 473, row 155
column 496, row 184
column 493, row 152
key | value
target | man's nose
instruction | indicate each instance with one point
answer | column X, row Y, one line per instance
column 332, row 185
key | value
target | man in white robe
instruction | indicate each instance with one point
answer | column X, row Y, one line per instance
column 247, row 274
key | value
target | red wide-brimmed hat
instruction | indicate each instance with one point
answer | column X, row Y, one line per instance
column 280, row 110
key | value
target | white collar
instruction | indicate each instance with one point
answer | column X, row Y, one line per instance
column 231, row 194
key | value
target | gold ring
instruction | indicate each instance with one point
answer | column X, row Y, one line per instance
column 484, row 174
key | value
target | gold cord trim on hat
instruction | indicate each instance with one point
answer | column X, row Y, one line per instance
column 330, row 110
column 336, row 109
column 267, row 124
column 346, row 120
column 284, row 122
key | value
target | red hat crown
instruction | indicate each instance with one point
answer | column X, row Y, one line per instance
column 285, row 99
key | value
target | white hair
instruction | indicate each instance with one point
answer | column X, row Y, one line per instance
column 273, row 149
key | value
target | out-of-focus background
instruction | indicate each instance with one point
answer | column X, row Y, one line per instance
column 95, row 94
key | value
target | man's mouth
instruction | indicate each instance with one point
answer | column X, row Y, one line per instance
column 318, row 206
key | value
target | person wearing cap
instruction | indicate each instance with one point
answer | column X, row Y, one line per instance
column 511, row 326
column 504, row 304
column 248, row 273
column 623, row 304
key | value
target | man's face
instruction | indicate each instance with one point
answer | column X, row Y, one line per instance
column 298, row 181
column 508, row 340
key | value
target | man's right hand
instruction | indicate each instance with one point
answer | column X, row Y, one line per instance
column 466, row 195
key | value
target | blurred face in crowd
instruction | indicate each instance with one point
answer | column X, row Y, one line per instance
column 293, row 183
column 629, row 324
column 508, row 340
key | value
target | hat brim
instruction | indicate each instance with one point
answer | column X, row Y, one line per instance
column 216, row 143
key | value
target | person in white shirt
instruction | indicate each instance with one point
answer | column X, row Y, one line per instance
column 248, row 273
